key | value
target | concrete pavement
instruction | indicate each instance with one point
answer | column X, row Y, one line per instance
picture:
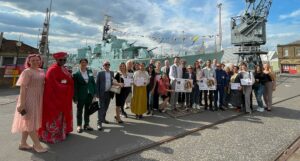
column 217, row 143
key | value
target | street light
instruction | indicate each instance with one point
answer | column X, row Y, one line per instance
column 15, row 72
column 19, row 44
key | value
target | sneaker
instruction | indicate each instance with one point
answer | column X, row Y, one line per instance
column 198, row 107
column 260, row 109
column 194, row 106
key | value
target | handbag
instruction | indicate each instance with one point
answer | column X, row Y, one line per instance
column 115, row 89
column 93, row 107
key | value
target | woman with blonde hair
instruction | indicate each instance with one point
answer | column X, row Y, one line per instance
column 270, row 85
column 121, row 98
column 28, row 115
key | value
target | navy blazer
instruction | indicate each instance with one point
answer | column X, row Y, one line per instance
column 100, row 83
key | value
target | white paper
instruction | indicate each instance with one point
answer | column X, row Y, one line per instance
column 207, row 84
column 184, row 85
column 140, row 81
column 129, row 75
column 128, row 82
column 246, row 82
column 157, row 77
column 235, row 86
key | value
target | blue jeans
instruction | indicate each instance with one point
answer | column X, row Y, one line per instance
column 219, row 94
column 259, row 91
column 196, row 94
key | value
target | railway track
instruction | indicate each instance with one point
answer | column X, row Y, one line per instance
column 189, row 132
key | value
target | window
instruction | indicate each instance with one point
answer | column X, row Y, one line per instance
column 8, row 61
column 21, row 61
column 286, row 53
column 297, row 51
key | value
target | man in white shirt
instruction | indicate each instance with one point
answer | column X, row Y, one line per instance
column 175, row 72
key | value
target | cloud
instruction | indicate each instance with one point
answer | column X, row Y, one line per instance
column 175, row 2
column 197, row 9
column 73, row 23
column 294, row 14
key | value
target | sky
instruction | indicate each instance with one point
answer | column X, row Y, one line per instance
column 152, row 23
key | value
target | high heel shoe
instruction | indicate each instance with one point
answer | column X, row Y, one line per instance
column 43, row 150
column 125, row 114
column 119, row 121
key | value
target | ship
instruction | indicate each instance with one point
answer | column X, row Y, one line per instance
column 117, row 50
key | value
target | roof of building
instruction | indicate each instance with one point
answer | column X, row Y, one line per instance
column 292, row 43
column 295, row 43
column 11, row 47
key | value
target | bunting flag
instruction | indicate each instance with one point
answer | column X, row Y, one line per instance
column 195, row 39
column 156, row 37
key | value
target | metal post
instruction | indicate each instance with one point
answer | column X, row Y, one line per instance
column 15, row 71
column 220, row 25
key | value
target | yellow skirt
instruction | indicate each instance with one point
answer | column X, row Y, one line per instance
column 139, row 100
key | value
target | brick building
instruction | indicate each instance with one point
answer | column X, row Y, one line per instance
column 289, row 57
column 12, row 53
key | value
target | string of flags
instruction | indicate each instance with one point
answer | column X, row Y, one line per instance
column 178, row 39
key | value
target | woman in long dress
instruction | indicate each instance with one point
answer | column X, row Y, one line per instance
column 57, row 117
column 139, row 99
column 27, row 118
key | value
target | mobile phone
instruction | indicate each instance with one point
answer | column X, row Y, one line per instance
column 23, row 112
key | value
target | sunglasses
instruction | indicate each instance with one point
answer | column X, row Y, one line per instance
column 62, row 59
column 106, row 64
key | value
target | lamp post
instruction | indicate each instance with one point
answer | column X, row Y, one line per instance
column 16, row 72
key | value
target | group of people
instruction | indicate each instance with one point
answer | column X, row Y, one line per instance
column 44, row 106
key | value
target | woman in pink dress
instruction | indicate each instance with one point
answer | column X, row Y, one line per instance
column 27, row 119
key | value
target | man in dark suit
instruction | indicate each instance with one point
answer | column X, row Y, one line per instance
column 104, row 82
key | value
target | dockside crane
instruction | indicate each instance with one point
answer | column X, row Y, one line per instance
column 248, row 31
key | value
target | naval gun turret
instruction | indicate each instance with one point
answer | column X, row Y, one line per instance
column 248, row 31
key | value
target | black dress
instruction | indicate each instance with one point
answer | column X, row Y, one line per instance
column 121, row 98
column 236, row 96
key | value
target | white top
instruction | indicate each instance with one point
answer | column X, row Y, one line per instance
column 85, row 75
column 107, row 81
column 141, row 74
column 178, row 74
column 199, row 74
column 209, row 73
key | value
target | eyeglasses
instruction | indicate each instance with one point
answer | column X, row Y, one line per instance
column 62, row 59
column 106, row 64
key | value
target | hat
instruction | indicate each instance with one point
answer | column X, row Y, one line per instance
column 59, row 55
column 189, row 66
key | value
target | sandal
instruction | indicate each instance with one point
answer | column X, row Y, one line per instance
column 25, row 147
column 42, row 150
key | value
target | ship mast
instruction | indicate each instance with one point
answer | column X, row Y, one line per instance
column 106, row 27
column 44, row 43
column 220, row 26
